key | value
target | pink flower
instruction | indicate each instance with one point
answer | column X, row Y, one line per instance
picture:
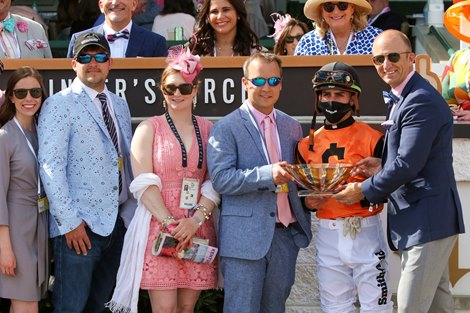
column 22, row 26
column 183, row 61
column 280, row 23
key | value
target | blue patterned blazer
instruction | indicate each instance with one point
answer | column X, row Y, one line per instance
column 79, row 164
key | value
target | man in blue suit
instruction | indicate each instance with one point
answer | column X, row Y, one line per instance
column 84, row 142
column 416, row 174
column 126, row 38
column 261, row 231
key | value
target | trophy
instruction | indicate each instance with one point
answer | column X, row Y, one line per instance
column 320, row 179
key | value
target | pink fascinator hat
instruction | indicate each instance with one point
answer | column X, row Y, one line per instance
column 280, row 23
column 183, row 61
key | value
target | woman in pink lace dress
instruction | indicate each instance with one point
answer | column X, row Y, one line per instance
column 173, row 146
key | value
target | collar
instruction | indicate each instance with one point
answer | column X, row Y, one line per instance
column 259, row 116
column 384, row 10
column 109, row 31
column 8, row 16
column 399, row 89
column 78, row 84
column 347, row 122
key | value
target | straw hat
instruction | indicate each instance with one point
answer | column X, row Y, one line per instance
column 312, row 8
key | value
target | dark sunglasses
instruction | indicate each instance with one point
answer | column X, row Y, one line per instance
column 393, row 57
column 185, row 89
column 261, row 81
column 290, row 39
column 86, row 58
column 22, row 93
column 330, row 6
column 337, row 77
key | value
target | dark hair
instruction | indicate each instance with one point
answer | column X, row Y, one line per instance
column 245, row 39
column 178, row 6
column 8, row 110
column 279, row 47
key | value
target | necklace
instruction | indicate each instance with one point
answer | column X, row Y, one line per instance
column 223, row 51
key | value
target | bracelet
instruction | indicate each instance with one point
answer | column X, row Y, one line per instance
column 197, row 219
column 205, row 211
column 167, row 221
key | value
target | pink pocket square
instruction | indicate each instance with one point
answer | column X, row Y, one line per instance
column 33, row 44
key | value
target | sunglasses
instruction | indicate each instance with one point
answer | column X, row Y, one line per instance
column 185, row 89
column 337, row 77
column 22, row 93
column 330, row 6
column 261, row 81
column 393, row 57
column 86, row 58
column 290, row 39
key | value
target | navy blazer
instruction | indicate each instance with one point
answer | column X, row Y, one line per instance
column 417, row 173
column 242, row 175
column 142, row 42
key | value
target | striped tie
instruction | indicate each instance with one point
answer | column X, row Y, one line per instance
column 111, row 128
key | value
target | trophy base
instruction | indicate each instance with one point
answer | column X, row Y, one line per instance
column 312, row 193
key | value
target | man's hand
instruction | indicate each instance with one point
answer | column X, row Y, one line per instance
column 7, row 262
column 280, row 175
column 315, row 202
column 367, row 167
column 352, row 194
column 78, row 239
column 462, row 115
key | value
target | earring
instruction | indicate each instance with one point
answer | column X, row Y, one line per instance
column 164, row 104
column 194, row 102
column 284, row 51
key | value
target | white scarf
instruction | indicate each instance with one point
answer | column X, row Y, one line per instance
column 126, row 293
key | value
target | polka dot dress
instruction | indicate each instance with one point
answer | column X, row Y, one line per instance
column 361, row 43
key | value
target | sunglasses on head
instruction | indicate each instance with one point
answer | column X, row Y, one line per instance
column 185, row 89
column 290, row 39
column 393, row 57
column 86, row 58
column 261, row 81
column 21, row 93
column 337, row 77
column 330, row 6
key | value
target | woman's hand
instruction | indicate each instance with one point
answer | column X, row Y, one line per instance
column 7, row 262
column 184, row 231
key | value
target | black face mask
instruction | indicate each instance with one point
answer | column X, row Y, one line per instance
column 334, row 111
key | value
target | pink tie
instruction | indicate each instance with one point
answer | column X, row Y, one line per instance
column 284, row 213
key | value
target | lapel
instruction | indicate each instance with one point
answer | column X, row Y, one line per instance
column 134, row 41
column 252, row 129
column 21, row 37
column 283, row 132
column 398, row 107
column 85, row 100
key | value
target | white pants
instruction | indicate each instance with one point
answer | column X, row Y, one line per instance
column 348, row 268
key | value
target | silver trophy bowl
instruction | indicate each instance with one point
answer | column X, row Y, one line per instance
column 320, row 179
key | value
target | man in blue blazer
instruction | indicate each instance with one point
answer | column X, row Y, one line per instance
column 258, row 251
column 416, row 174
column 84, row 143
column 126, row 38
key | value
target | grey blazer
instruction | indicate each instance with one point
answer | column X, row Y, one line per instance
column 241, row 173
column 34, row 32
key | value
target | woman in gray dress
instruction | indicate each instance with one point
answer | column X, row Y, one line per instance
column 23, row 219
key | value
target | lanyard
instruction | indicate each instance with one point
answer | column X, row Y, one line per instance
column 183, row 149
column 32, row 151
